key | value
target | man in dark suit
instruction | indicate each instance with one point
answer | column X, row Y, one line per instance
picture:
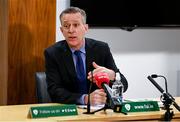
column 61, row 62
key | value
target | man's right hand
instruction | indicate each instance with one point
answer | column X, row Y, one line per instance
column 99, row 69
column 97, row 97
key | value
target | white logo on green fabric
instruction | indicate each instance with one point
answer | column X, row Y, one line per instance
column 35, row 111
column 128, row 107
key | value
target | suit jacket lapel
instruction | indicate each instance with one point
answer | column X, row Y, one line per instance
column 89, row 56
column 68, row 62
column 89, row 59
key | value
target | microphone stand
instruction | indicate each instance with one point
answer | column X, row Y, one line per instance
column 88, row 103
column 167, row 103
column 108, row 104
column 167, row 100
column 111, row 103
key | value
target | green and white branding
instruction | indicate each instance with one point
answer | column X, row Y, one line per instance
column 141, row 106
column 55, row 110
column 127, row 107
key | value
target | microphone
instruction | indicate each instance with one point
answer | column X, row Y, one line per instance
column 102, row 81
column 155, row 84
column 167, row 97
column 155, row 76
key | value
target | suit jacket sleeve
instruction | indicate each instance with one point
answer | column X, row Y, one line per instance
column 110, row 61
column 103, row 57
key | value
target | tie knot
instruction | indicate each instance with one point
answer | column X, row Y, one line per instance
column 77, row 52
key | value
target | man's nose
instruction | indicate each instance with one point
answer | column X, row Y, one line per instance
column 71, row 29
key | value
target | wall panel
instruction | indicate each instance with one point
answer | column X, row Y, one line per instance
column 31, row 29
column 3, row 51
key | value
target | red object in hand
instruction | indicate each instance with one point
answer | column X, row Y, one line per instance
column 101, row 78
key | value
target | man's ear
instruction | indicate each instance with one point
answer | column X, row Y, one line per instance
column 86, row 27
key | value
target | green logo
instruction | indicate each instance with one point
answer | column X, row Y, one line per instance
column 35, row 112
column 128, row 107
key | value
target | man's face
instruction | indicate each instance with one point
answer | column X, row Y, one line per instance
column 73, row 29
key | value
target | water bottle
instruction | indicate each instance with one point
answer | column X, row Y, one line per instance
column 117, row 89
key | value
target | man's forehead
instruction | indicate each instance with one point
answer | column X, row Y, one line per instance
column 73, row 21
column 72, row 15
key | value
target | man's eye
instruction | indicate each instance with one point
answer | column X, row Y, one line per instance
column 66, row 26
column 76, row 25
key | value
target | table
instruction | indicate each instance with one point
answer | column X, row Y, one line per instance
column 20, row 113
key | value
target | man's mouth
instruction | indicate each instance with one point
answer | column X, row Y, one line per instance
column 72, row 37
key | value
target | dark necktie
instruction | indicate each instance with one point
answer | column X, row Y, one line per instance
column 82, row 85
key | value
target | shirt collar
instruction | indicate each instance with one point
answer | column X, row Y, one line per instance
column 82, row 49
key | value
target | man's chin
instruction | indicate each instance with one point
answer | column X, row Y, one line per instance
column 72, row 39
column 72, row 45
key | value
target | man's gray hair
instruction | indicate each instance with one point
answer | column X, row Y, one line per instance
column 74, row 10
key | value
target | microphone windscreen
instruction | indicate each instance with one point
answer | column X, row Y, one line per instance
column 154, row 76
column 101, row 78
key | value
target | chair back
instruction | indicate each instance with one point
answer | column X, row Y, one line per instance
column 41, row 88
